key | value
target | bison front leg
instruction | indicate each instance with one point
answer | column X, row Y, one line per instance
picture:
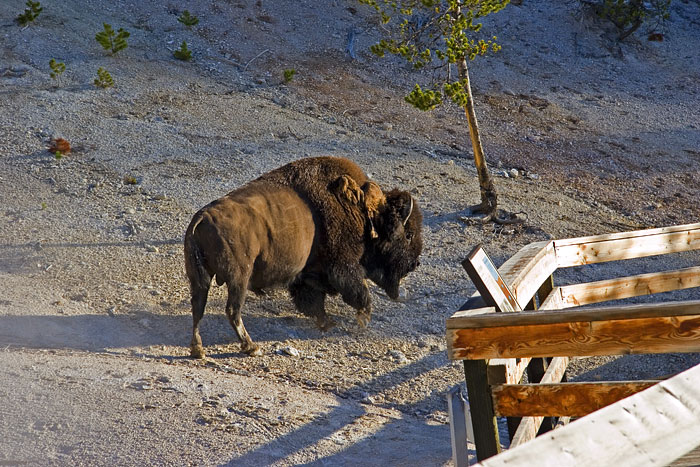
column 234, row 305
column 310, row 299
column 353, row 288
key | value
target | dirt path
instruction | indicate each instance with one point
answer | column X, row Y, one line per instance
column 94, row 314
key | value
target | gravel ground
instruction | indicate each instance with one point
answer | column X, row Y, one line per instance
column 94, row 314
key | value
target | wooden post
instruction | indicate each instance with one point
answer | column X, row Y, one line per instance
column 484, row 421
column 460, row 426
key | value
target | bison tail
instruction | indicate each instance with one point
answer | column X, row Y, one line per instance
column 195, row 262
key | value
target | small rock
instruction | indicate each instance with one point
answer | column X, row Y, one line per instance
column 288, row 350
column 514, row 173
column 532, row 176
column 151, row 248
column 398, row 356
column 387, row 126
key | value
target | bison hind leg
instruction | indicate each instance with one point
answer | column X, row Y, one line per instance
column 234, row 305
column 199, row 302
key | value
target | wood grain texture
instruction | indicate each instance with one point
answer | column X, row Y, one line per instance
column 614, row 247
column 529, row 426
column 582, row 338
column 528, row 269
column 651, row 428
column 632, row 286
column 564, row 399
column 606, row 313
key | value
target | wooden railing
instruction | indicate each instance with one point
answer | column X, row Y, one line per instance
column 499, row 343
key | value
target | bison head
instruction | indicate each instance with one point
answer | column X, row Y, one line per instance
column 394, row 251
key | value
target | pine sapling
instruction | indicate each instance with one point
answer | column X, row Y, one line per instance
column 289, row 74
column 104, row 79
column 30, row 13
column 187, row 19
column 111, row 41
column 183, row 53
column 56, row 69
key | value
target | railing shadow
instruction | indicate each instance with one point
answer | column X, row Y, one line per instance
column 373, row 449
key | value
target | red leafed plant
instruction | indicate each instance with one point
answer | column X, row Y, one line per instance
column 59, row 145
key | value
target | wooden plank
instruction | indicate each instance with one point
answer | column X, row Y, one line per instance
column 484, row 422
column 631, row 234
column 651, row 428
column 607, row 313
column 612, row 337
column 565, row 399
column 588, row 250
column 554, row 300
column 488, row 281
column 632, row 286
column 529, row 426
column 528, row 269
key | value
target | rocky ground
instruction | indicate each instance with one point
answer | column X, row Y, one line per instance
column 584, row 134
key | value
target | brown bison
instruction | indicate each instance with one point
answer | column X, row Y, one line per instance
column 317, row 226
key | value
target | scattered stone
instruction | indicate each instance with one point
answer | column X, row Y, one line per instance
column 151, row 248
column 288, row 350
column 514, row 173
column 398, row 356
column 387, row 126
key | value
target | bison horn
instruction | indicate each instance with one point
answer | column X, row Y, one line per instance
column 410, row 210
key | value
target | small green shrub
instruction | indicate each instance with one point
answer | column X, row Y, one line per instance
column 57, row 68
column 187, row 19
column 629, row 15
column 104, row 79
column 58, row 155
column 130, row 180
column 111, row 41
column 183, row 53
column 30, row 13
column 289, row 74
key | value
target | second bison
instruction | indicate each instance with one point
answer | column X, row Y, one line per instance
column 317, row 226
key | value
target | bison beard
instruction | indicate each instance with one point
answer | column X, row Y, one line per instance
column 316, row 225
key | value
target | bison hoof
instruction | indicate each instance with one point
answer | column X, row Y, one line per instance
column 253, row 350
column 325, row 323
column 196, row 351
column 363, row 319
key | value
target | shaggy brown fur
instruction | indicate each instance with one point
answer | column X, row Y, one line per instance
column 308, row 225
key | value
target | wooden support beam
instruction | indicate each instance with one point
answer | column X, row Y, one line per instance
column 608, row 337
column 626, row 245
column 486, row 438
column 487, row 280
column 632, row 286
column 529, row 426
column 651, row 428
column 535, row 372
column 565, row 399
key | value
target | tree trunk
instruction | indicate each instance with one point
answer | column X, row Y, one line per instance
column 489, row 198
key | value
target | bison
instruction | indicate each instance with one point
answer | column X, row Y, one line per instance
column 318, row 226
